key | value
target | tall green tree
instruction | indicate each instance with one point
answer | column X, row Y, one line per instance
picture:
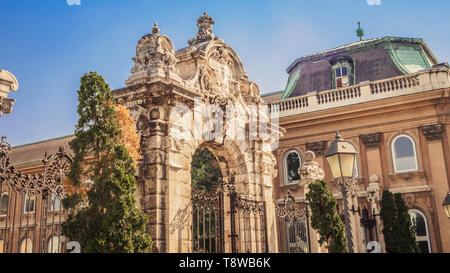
column 111, row 221
column 398, row 233
column 325, row 218
column 204, row 170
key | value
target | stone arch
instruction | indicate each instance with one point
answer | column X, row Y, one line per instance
column 166, row 86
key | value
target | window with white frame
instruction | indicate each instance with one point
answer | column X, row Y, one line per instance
column 420, row 227
column 404, row 155
column 54, row 203
column 29, row 203
column 54, row 245
column 291, row 162
column 4, row 202
column 26, row 245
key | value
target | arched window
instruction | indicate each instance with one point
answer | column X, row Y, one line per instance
column 54, row 245
column 404, row 156
column 54, row 203
column 26, row 246
column 291, row 162
column 4, row 202
column 29, row 203
column 420, row 227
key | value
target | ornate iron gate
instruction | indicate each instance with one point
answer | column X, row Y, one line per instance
column 207, row 225
column 293, row 226
column 31, row 210
column 247, row 221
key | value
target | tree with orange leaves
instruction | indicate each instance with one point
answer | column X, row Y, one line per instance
column 128, row 136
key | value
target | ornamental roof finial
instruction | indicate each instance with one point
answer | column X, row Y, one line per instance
column 204, row 33
column 360, row 32
column 155, row 29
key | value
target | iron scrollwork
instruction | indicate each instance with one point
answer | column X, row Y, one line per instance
column 288, row 209
column 48, row 185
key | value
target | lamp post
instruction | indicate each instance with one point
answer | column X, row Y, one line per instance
column 446, row 205
column 341, row 158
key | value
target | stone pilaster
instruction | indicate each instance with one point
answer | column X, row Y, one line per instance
column 373, row 197
column 310, row 172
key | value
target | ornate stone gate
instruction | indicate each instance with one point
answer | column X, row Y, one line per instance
column 198, row 97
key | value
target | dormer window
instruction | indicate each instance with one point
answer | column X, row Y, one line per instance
column 343, row 72
column 341, row 77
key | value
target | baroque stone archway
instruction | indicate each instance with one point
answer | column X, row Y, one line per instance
column 196, row 97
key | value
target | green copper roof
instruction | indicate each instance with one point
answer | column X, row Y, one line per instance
column 364, row 44
column 271, row 93
column 292, row 82
column 409, row 59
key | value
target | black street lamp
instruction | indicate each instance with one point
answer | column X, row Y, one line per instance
column 341, row 159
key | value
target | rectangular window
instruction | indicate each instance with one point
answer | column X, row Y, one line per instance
column 341, row 77
column 29, row 204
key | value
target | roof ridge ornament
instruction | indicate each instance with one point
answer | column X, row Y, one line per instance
column 360, row 32
column 204, row 24
column 155, row 29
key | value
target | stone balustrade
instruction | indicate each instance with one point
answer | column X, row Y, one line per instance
column 427, row 80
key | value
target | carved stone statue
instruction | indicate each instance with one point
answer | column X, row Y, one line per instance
column 8, row 83
column 310, row 170
column 155, row 57
column 204, row 24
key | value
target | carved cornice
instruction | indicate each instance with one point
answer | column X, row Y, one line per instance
column 371, row 141
column 433, row 131
column 317, row 147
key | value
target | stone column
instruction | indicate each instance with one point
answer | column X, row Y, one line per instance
column 373, row 197
column 309, row 173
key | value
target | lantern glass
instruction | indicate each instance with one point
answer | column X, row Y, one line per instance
column 446, row 205
column 447, row 210
column 341, row 161
column 333, row 162
column 347, row 164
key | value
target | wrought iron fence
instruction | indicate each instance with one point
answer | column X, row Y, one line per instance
column 31, row 211
column 293, row 226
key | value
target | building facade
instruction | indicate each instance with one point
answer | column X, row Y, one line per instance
column 391, row 99
column 388, row 96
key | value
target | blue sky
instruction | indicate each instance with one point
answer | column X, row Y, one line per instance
column 48, row 44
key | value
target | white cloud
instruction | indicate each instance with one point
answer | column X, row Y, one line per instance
column 78, row 2
column 374, row 2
